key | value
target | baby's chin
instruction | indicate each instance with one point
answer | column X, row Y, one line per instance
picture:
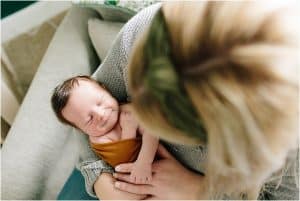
column 110, row 124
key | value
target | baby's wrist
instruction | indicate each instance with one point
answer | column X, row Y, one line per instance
column 143, row 162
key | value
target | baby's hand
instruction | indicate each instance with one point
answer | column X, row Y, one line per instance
column 141, row 173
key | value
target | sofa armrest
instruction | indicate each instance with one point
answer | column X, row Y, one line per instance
column 39, row 152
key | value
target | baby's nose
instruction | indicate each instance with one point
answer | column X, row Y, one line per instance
column 99, row 115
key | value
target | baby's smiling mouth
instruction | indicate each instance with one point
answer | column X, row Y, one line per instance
column 107, row 117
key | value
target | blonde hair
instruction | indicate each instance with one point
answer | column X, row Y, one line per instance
column 238, row 63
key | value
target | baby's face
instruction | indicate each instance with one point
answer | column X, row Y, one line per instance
column 91, row 108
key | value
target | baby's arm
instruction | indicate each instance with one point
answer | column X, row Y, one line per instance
column 141, row 171
column 128, row 123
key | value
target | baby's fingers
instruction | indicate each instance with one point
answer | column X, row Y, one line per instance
column 142, row 180
column 149, row 178
column 133, row 179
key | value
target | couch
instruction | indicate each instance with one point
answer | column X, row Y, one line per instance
column 37, row 158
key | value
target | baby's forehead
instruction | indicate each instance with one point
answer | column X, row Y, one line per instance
column 85, row 86
column 89, row 82
column 85, row 89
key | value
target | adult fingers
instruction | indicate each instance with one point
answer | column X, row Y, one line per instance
column 163, row 153
column 122, row 177
column 134, row 188
column 126, row 178
column 124, row 167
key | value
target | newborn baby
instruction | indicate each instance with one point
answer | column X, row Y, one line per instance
column 114, row 133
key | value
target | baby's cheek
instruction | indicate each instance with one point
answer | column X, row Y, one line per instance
column 93, row 130
column 90, row 131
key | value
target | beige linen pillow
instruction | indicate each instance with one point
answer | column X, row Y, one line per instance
column 102, row 34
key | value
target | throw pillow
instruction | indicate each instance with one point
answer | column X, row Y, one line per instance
column 102, row 34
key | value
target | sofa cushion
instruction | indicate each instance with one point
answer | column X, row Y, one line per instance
column 39, row 153
column 102, row 34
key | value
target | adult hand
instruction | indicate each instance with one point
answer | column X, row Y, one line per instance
column 105, row 190
column 170, row 180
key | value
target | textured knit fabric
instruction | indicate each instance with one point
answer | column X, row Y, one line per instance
column 113, row 74
column 115, row 153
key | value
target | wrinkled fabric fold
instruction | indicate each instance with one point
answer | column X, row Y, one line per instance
column 115, row 153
